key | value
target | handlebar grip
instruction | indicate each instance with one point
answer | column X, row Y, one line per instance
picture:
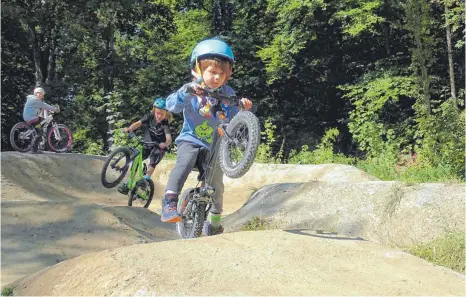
column 131, row 134
column 189, row 89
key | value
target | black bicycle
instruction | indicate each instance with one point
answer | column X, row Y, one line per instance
column 55, row 137
column 234, row 146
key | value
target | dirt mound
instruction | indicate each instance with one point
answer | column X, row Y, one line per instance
column 386, row 212
column 54, row 206
column 290, row 262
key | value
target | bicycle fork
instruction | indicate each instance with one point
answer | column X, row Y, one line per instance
column 56, row 133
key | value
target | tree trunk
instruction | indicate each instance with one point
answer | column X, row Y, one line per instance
column 36, row 54
column 386, row 33
column 426, row 88
column 422, row 55
column 222, row 14
column 386, row 28
column 52, row 56
column 108, row 84
column 450, row 56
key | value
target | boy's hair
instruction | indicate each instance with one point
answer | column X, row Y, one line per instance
column 168, row 115
column 223, row 64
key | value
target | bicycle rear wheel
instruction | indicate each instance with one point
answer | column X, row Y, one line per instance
column 142, row 193
column 21, row 137
column 115, row 167
column 236, row 156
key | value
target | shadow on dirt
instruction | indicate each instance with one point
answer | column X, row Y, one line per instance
column 322, row 234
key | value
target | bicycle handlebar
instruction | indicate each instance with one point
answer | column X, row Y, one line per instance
column 131, row 134
column 217, row 95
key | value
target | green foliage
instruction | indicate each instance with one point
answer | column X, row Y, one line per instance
column 7, row 291
column 382, row 167
column 103, row 62
column 425, row 173
column 17, row 74
column 323, row 154
column 82, row 143
column 371, row 99
column 360, row 16
column 291, row 35
column 447, row 250
column 95, row 148
column 440, row 138
column 265, row 152
column 170, row 156
column 386, row 167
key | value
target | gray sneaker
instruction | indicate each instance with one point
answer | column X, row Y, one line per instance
column 123, row 188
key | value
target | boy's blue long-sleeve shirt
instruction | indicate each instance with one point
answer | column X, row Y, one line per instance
column 196, row 128
column 32, row 108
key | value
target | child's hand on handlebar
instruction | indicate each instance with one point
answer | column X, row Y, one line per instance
column 247, row 104
column 194, row 88
column 162, row 146
column 126, row 129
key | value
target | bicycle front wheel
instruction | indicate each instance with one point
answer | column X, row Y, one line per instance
column 115, row 167
column 192, row 219
column 59, row 138
column 238, row 154
column 21, row 137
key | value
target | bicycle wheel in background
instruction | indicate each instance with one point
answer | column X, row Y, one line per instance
column 142, row 193
column 59, row 138
column 21, row 137
column 115, row 167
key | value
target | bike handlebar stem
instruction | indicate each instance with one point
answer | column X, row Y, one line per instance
column 232, row 100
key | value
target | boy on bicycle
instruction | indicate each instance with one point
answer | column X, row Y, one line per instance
column 211, row 66
column 33, row 115
column 157, row 129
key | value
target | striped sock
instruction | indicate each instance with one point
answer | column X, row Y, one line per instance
column 214, row 220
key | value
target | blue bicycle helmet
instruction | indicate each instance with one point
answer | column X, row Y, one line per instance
column 212, row 47
column 160, row 103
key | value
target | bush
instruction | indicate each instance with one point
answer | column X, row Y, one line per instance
column 323, row 154
column 441, row 139
column 265, row 152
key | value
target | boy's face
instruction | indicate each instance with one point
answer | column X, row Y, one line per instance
column 214, row 77
column 159, row 114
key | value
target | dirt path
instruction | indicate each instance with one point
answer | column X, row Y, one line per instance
column 54, row 208
column 266, row 263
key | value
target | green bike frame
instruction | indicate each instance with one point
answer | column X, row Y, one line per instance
column 136, row 172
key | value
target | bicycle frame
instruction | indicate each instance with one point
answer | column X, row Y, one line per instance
column 137, row 168
column 204, row 194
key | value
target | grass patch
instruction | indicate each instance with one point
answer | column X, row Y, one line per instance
column 257, row 223
column 170, row 156
column 447, row 250
column 7, row 291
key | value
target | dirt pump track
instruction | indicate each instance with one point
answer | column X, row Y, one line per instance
column 63, row 233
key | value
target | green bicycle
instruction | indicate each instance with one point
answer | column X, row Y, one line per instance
column 118, row 163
